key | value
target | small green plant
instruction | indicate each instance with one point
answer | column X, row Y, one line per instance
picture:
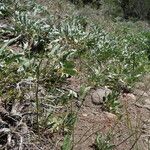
column 103, row 143
column 111, row 103
column 67, row 143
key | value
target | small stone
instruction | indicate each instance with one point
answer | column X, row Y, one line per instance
column 131, row 96
column 147, row 101
column 84, row 115
column 98, row 95
column 79, row 103
column 111, row 116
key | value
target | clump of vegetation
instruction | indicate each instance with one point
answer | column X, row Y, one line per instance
column 110, row 103
column 103, row 143
column 94, row 3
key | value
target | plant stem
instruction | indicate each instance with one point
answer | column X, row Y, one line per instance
column 36, row 96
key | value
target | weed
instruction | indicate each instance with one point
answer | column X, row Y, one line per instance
column 110, row 103
column 103, row 143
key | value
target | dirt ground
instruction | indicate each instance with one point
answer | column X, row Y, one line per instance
column 132, row 131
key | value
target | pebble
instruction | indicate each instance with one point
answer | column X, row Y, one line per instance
column 147, row 101
column 98, row 94
column 111, row 116
column 130, row 96
column 84, row 115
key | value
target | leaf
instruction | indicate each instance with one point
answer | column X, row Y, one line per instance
column 73, row 93
column 71, row 72
column 83, row 91
column 68, row 64
column 13, row 57
column 67, row 143
column 55, row 49
column 70, row 120
column 9, row 43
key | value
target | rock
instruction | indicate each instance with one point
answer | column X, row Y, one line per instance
column 148, row 92
column 147, row 101
column 98, row 95
column 84, row 115
column 79, row 103
column 111, row 116
column 130, row 96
